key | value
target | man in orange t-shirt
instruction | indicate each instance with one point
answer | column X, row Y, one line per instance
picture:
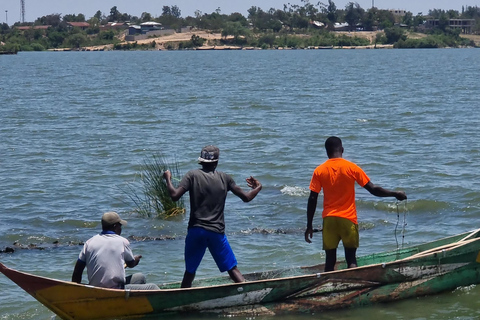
column 337, row 178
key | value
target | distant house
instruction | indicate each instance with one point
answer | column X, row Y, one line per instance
column 146, row 30
column 134, row 29
column 398, row 12
column 81, row 25
column 114, row 26
column 317, row 24
column 466, row 25
column 341, row 26
column 23, row 28
column 150, row 26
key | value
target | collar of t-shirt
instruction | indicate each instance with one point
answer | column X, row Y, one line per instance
column 108, row 232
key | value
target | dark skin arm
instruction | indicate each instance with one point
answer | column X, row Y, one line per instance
column 77, row 271
column 133, row 263
column 175, row 193
column 248, row 196
column 381, row 192
column 311, row 207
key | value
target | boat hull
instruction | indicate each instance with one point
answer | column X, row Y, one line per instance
column 427, row 269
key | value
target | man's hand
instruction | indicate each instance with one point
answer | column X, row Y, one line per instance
column 308, row 234
column 400, row 195
column 137, row 259
column 167, row 175
column 253, row 183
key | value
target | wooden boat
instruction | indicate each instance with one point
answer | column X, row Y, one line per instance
column 425, row 269
column 8, row 52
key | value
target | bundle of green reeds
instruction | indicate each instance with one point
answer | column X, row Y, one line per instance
column 154, row 199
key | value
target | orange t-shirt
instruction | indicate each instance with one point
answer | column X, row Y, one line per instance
column 337, row 177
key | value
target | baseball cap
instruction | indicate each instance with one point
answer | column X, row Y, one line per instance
column 209, row 154
column 110, row 218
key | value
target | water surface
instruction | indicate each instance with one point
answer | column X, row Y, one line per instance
column 76, row 127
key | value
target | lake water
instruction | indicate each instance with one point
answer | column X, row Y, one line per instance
column 75, row 128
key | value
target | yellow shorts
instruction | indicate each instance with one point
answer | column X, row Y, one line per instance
column 336, row 229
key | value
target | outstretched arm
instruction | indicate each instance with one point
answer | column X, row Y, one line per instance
column 248, row 196
column 381, row 192
column 311, row 207
column 175, row 193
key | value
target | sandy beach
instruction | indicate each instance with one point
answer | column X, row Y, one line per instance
column 162, row 41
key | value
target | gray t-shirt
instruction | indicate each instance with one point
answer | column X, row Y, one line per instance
column 105, row 256
column 208, row 192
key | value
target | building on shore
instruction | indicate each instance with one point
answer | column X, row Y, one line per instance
column 398, row 12
column 466, row 25
column 146, row 30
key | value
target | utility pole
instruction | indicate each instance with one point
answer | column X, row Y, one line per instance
column 6, row 17
column 373, row 3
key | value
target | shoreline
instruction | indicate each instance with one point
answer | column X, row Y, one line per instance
column 161, row 43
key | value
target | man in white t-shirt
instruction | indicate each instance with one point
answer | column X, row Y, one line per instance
column 105, row 256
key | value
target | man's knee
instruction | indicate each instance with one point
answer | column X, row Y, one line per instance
column 137, row 278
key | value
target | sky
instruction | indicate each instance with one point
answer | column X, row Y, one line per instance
column 10, row 9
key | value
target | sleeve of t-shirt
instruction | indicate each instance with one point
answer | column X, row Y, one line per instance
column 315, row 184
column 230, row 182
column 186, row 181
column 82, row 257
column 361, row 177
column 128, row 254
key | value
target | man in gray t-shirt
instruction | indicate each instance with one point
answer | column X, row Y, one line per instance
column 106, row 254
column 208, row 190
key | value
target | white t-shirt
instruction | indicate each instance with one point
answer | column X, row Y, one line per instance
column 105, row 255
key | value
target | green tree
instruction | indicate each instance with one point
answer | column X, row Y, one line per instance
column 76, row 40
column 234, row 29
column 435, row 13
column 386, row 19
column 145, row 17
column 253, row 15
column 471, row 13
column 114, row 14
column 166, row 11
column 125, row 17
column 238, row 17
column 74, row 18
column 370, row 20
column 443, row 22
column 175, row 11
column 353, row 14
column 4, row 28
column 99, row 15
column 171, row 17
column 331, row 11
column 268, row 39
column 418, row 20
column 408, row 19
column 394, row 34
column 56, row 38
column 53, row 20
column 197, row 41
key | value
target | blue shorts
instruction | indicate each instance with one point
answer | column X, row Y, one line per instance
column 196, row 243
